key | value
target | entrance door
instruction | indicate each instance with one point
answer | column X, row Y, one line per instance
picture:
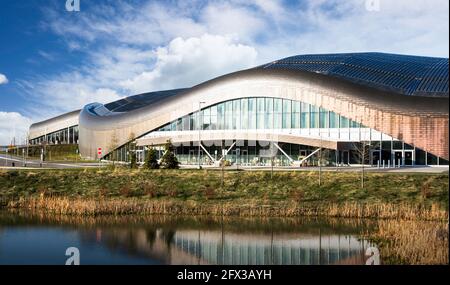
column 398, row 158
column 375, row 157
column 409, row 158
column 344, row 157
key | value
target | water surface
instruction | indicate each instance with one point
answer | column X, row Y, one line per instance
column 41, row 239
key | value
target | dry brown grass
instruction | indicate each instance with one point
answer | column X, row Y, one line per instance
column 412, row 242
column 118, row 206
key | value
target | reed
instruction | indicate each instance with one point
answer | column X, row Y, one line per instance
column 412, row 242
column 128, row 206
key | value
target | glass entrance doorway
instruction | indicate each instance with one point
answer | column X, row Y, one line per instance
column 408, row 158
column 375, row 157
column 345, row 157
column 398, row 158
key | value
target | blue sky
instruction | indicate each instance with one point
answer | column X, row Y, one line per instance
column 53, row 61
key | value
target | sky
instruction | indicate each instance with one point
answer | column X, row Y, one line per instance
column 54, row 60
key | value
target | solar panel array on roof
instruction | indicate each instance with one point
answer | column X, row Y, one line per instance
column 404, row 74
column 137, row 101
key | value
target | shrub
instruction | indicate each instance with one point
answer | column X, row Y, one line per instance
column 151, row 161
column 133, row 163
column 169, row 160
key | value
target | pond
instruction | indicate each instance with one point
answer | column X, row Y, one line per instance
column 33, row 238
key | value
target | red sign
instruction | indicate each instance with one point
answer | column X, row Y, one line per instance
column 99, row 151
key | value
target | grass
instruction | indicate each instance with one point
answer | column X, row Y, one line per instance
column 123, row 191
column 411, row 242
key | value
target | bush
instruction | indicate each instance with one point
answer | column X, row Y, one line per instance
column 133, row 163
column 151, row 161
column 169, row 160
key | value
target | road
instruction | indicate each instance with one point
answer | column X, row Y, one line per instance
column 7, row 161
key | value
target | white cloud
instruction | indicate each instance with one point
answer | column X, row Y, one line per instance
column 187, row 62
column 3, row 79
column 13, row 125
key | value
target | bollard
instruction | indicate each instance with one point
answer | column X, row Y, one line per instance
column 383, row 164
column 389, row 164
column 378, row 164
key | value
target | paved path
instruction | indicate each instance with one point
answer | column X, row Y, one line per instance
column 7, row 161
column 12, row 162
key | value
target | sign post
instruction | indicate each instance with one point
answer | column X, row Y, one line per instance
column 99, row 155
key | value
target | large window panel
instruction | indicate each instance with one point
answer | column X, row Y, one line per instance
column 237, row 114
column 295, row 119
column 213, row 125
column 244, row 114
column 334, row 120
column 323, row 118
column 314, row 117
column 304, row 120
column 287, row 111
column 221, row 116
column 229, row 115
column 261, row 113
column 344, row 122
column 269, row 119
column 206, row 114
column 252, row 111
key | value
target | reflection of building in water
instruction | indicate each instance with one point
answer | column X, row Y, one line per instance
column 236, row 249
column 217, row 247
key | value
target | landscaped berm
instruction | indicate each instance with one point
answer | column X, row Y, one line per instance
column 413, row 203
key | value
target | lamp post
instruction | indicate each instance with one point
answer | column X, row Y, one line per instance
column 199, row 129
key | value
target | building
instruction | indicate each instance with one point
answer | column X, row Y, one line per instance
column 383, row 109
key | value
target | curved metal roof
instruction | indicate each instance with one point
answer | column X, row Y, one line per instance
column 137, row 101
column 403, row 74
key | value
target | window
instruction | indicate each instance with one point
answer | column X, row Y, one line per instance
column 295, row 119
column 277, row 113
column 185, row 123
column 213, row 125
column 244, row 114
column 237, row 114
column 354, row 124
column 314, row 117
column 221, row 116
column 252, row 113
column 269, row 119
column 344, row 122
column 287, row 114
column 304, row 119
column 334, row 120
column 228, row 115
column 260, row 113
column 323, row 118
column 206, row 118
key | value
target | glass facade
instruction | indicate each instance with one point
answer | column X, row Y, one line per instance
column 260, row 113
column 64, row 136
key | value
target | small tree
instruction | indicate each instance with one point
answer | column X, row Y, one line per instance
column 169, row 160
column 133, row 163
column 113, row 144
column 151, row 161
column 362, row 154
